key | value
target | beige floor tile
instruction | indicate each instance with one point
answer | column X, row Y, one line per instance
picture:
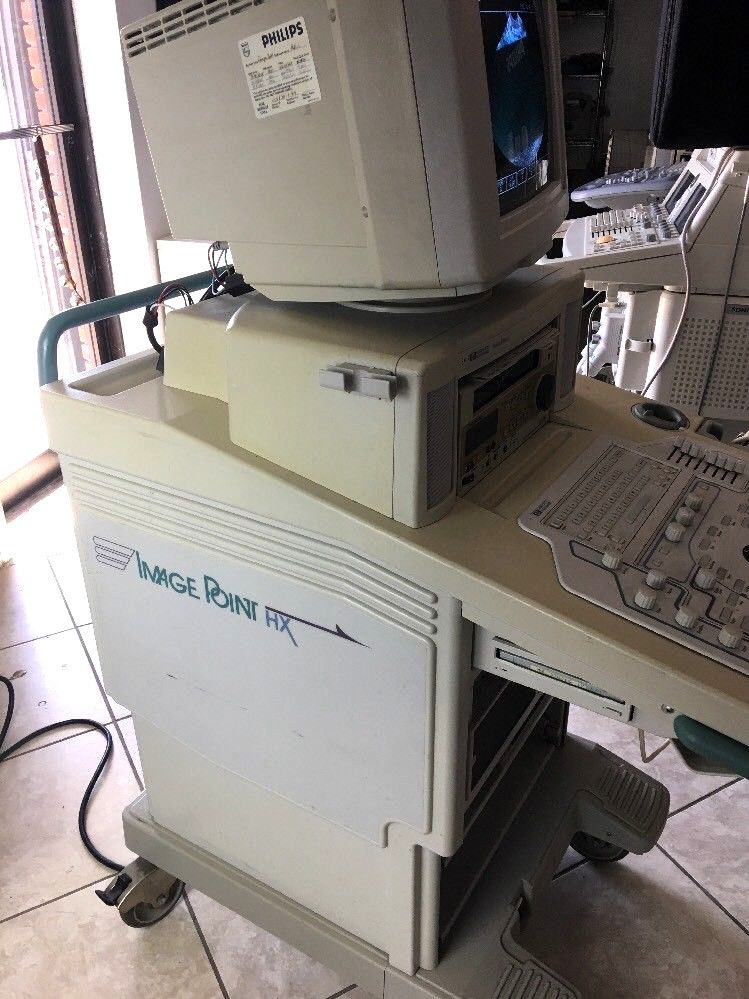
column 87, row 634
column 52, row 680
column 30, row 602
column 42, row 855
column 668, row 767
column 76, row 948
column 67, row 569
column 711, row 841
column 635, row 929
column 43, row 528
column 255, row 965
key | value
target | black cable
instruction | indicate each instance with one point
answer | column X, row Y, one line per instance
column 86, row 799
column 151, row 321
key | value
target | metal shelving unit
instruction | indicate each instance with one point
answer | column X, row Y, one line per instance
column 574, row 14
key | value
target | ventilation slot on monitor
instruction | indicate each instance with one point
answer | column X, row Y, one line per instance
column 178, row 22
column 440, row 443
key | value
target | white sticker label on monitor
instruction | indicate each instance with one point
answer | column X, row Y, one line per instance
column 280, row 69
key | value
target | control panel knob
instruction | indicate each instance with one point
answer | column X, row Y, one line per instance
column 656, row 580
column 674, row 531
column 729, row 636
column 684, row 516
column 705, row 579
column 685, row 617
column 693, row 501
column 611, row 558
column 645, row 598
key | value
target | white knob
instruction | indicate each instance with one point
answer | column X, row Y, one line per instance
column 684, row 515
column 693, row 501
column 705, row 579
column 645, row 598
column 611, row 558
column 656, row 580
column 674, row 531
column 685, row 617
column 729, row 636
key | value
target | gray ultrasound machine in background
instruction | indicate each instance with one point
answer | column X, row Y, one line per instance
column 672, row 272
column 357, row 542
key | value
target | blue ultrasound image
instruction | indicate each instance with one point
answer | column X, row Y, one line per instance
column 517, row 94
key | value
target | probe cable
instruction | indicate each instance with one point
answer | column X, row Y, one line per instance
column 86, row 799
column 687, row 272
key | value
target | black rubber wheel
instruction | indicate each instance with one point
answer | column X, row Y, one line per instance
column 146, row 914
column 596, row 849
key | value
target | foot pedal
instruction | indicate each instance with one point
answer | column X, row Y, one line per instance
column 529, row 981
column 632, row 806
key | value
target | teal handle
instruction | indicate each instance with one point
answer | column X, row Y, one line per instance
column 105, row 308
column 713, row 745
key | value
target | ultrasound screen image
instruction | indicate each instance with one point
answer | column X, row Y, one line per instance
column 517, row 94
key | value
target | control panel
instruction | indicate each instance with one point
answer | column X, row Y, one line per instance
column 503, row 403
column 621, row 229
column 659, row 534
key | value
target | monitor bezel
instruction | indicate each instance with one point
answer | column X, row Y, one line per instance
column 456, row 129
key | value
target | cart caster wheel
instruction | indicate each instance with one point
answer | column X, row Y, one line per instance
column 596, row 849
column 143, row 893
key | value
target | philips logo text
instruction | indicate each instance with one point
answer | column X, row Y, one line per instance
column 283, row 34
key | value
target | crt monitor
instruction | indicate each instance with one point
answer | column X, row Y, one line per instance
column 518, row 104
column 403, row 149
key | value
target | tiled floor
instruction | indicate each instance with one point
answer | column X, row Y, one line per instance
column 673, row 924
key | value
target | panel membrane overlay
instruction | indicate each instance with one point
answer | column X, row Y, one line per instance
column 659, row 534
column 623, row 229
